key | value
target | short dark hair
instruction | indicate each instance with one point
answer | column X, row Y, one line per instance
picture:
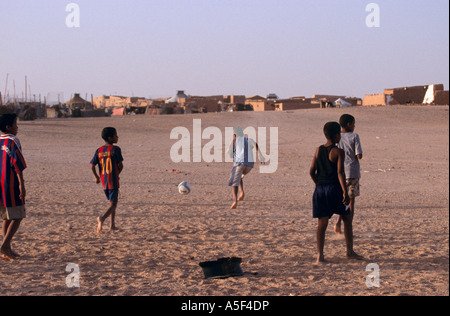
column 7, row 120
column 108, row 132
column 331, row 129
column 346, row 119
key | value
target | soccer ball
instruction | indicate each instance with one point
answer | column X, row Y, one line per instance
column 184, row 188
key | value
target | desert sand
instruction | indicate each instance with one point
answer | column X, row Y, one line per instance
column 401, row 222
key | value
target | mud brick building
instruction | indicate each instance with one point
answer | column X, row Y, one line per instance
column 408, row 95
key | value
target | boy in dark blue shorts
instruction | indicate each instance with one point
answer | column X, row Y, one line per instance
column 12, row 184
column 110, row 163
column 331, row 195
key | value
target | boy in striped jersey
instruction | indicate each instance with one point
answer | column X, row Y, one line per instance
column 110, row 163
column 12, row 187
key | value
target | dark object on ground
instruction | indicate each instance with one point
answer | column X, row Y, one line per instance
column 222, row 268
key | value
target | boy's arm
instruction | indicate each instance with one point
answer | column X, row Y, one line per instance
column 261, row 157
column 313, row 168
column 341, row 176
column 119, row 158
column 94, row 171
column 23, row 192
column 358, row 148
column 231, row 150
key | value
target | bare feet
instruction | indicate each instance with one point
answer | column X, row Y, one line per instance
column 234, row 206
column 7, row 254
column 321, row 260
column 100, row 225
column 337, row 228
column 5, row 258
column 242, row 197
column 354, row 256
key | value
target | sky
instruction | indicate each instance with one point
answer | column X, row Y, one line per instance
column 152, row 48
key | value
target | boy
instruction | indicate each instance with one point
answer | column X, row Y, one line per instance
column 12, row 187
column 110, row 161
column 331, row 196
column 242, row 151
column 351, row 145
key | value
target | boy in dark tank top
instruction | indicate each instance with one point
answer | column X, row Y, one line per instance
column 331, row 195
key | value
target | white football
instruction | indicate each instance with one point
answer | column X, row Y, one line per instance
column 184, row 188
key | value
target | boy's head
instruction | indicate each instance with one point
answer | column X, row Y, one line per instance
column 347, row 122
column 332, row 131
column 238, row 132
column 109, row 135
column 8, row 123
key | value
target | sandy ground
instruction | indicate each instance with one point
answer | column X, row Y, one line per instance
column 401, row 224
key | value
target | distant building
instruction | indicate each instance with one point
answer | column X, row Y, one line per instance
column 327, row 97
column 78, row 107
column 260, row 103
column 234, row 99
column 441, row 98
column 315, row 102
column 183, row 103
column 78, row 103
column 176, row 98
column 109, row 102
column 408, row 95
column 296, row 104
column 178, row 104
column 203, row 104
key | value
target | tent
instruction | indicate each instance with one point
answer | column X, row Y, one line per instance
column 78, row 103
column 342, row 103
column 176, row 98
column 429, row 95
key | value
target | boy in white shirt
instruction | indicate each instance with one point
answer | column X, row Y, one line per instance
column 241, row 149
column 351, row 144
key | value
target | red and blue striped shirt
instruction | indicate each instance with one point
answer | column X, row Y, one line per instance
column 108, row 159
column 11, row 163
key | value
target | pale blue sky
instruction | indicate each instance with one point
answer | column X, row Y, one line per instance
column 151, row 48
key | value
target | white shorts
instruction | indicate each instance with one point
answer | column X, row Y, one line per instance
column 237, row 174
column 352, row 187
column 12, row 213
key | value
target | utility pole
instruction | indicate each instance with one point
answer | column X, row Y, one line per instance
column 6, row 86
column 15, row 99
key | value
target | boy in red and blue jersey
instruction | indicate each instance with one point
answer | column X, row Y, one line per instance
column 12, row 185
column 110, row 163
